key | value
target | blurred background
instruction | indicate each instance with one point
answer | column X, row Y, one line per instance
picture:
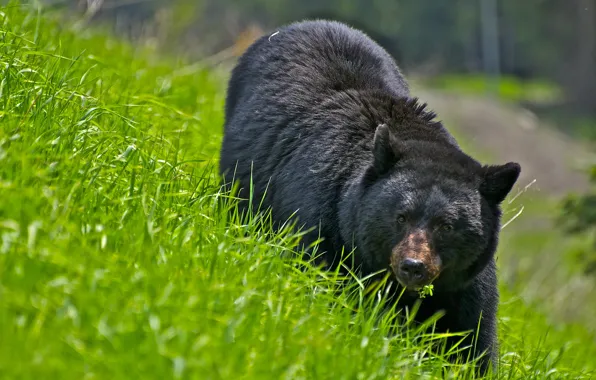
column 513, row 80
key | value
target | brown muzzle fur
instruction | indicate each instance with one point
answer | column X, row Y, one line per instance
column 416, row 246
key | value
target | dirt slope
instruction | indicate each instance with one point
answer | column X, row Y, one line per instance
column 509, row 133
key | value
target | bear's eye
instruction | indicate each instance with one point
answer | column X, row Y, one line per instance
column 401, row 219
column 445, row 227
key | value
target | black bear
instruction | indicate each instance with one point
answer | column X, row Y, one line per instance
column 319, row 119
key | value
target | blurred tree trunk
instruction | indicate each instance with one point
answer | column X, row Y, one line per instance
column 582, row 86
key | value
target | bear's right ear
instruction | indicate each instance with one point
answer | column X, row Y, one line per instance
column 385, row 150
column 498, row 180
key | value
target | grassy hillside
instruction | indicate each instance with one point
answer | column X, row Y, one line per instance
column 118, row 260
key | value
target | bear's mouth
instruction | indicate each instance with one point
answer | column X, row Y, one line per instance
column 414, row 274
column 413, row 286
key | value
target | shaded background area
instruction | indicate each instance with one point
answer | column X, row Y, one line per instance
column 514, row 80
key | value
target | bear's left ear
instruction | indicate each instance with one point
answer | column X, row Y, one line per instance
column 498, row 180
column 386, row 152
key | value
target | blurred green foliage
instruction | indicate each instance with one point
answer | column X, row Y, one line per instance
column 579, row 217
column 509, row 87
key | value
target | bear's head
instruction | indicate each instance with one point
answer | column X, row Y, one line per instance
column 427, row 212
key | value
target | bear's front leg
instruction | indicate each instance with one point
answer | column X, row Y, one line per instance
column 478, row 313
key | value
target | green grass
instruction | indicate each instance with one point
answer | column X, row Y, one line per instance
column 507, row 88
column 118, row 258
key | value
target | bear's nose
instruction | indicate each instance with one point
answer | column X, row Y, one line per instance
column 413, row 270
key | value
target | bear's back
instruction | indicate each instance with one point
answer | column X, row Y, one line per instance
column 306, row 62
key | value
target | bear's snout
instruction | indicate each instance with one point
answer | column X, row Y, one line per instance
column 413, row 261
column 413, row 270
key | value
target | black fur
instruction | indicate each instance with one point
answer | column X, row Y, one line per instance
column 323, row 120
